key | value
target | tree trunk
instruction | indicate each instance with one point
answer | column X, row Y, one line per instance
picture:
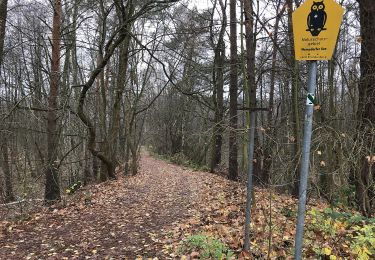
column 120, row 87
column 3, row 19
column 233, row 90
column 326, row 176
column 365, row 174
column 245, row 94
column 113, row 134
column 8, row 188
column 250, row 56
column 52, row 188
column 218, row 95
column 9, row 196
column 295, row 108
column 268, row 143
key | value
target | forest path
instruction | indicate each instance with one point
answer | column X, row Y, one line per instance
column 126, row 218
column 148, row 215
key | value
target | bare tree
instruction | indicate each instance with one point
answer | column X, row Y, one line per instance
column 52, row 189
column 233, row 92
column 218, row 82
column 3, row 18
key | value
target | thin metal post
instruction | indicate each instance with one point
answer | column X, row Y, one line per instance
column 249, row 180
column 304, row 172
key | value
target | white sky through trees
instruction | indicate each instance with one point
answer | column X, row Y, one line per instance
column 200, row 4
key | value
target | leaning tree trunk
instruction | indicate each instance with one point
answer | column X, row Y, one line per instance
column 233, row 89
column 365, row 174
column 52, row 188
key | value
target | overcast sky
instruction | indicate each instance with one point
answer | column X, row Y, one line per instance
column 201, row 4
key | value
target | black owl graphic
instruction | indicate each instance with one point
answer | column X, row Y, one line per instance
column 317, row 18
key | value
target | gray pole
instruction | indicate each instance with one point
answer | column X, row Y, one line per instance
column 249, row 180
column 305, row 159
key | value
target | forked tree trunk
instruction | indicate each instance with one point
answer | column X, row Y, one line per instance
column 110, row 143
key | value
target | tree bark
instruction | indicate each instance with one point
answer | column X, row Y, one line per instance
column 295, row 108
column 8, row 187
column 218, row 93
column 268, row 144
column 9, row 196
column 250, row 60
column 3, row 18
column 52, row 188
column 120, row 87
column 117, row 39
column 233, row 90
column 365, row 174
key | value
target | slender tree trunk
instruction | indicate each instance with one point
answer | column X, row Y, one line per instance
column 365, row 175
column 218, row 95
column 3, row 18
column 127, row 156
column 74, row 58
column 295, row 108
column 87, row 175
column 246, row 102
column 102, row 107
column 52, row 188
column 233, row 90
column 326, row 177
column 4, row 144
column 120, row 87
column 102, row 92
column 9, row 196
column 268, row 144
column 250, row 55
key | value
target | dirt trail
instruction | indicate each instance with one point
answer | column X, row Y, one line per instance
column 148, row 215
column 126, row 218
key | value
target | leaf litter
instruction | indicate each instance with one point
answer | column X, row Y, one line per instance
column 150, row 215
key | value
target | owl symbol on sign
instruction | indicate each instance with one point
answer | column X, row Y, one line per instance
column 317, row 18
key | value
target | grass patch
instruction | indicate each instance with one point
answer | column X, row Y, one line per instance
column 205, row 247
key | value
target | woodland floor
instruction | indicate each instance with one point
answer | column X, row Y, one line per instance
column 148, row 215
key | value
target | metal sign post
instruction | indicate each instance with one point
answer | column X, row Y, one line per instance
column 249, row 180
column 304, row 172
column 316, row 25
column 253, row 113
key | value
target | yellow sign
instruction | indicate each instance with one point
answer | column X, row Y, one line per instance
column 316, row 25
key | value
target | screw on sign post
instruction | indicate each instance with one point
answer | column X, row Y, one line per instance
column 316, row 25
